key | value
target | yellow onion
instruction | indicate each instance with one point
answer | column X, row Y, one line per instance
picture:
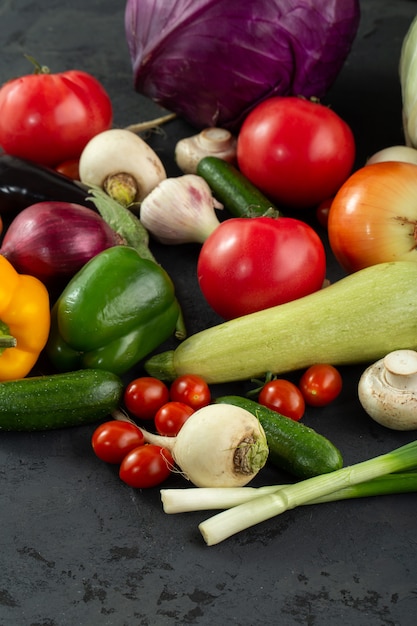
column 373, row 217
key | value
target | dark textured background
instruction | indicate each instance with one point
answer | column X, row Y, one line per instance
column 78, row 548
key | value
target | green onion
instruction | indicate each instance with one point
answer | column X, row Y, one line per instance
column 207, row 498
column 243, row 516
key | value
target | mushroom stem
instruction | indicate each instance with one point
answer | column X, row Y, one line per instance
column 401, row 369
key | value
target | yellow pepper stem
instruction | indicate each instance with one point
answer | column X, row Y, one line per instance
column 7, row 341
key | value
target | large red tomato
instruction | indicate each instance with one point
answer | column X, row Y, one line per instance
column 297, row 151
column 49, row 118
column 247, row 265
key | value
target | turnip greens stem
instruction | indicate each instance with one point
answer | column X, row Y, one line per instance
column 243, row 516
column 123, row 221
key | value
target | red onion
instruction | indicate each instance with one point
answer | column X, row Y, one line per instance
column 53, row 240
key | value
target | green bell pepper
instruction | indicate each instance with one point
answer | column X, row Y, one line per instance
column 113, row 312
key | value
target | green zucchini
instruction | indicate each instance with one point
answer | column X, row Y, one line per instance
column 293, row 446
column 358, row 319
column 230, row 187
column 58, row 400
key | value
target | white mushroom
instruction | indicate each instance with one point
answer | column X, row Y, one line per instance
column 122, row 164
column 212, row 141
column 388, row 390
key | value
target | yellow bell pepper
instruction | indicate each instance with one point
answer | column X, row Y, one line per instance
column 25, row 321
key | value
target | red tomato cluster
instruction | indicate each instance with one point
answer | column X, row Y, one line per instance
column 319, row 385
column 144, row 465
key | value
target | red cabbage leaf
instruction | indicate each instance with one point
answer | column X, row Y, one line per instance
column 212, row 61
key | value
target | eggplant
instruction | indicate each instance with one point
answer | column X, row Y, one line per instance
column 23, row 183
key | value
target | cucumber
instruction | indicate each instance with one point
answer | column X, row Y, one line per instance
column 234, row 190
column 358, row 319
column 58, row 400
column 293, row 447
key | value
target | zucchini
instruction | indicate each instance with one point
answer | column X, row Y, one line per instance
column 230, row 187
column 293, row 446
column 357, row 319
column 58, row 400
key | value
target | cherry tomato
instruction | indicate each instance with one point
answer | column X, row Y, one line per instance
column 70, row 169
column 322, row 212
column 320, row 384
column 170, row 418
column 49, row 118
column 373, row 216
column 297, row 151
column 284, row 397
column 246, row 265
column 190, row 389
column 146, row 466
column 144, row 396
column 112, row 440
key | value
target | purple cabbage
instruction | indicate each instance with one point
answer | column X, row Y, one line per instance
column 212, row 61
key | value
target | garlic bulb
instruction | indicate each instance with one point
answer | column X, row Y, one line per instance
column 404, row 154
column 408, row 80
column 180, row 210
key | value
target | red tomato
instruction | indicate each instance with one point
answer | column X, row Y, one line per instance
column 284, row 397
column 49, row 118
column 144, row 396
column 70, row 169
column 297, row 151
column 190, row 389
column 112, row 440
column 322, row 212
column 146, row 466
column 373, row 216
column 170, row 418
column 320, row 384
column 246, row 265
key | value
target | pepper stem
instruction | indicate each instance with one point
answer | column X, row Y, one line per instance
column 7, row 341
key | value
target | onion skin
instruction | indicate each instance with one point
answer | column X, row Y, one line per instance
column 53, row 240
column 373, row 217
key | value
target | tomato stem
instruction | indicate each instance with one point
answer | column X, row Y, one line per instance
column 38, row 68
column 260, row 384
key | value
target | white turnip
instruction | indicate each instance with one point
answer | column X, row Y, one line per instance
column 218, row 446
